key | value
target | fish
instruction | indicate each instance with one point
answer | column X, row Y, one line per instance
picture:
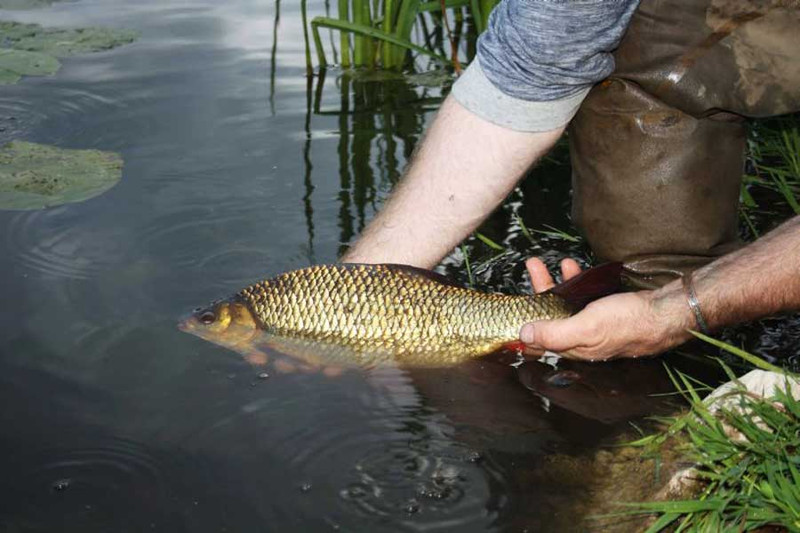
column 372, row 313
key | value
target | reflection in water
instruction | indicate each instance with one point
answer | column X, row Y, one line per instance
column 379, row 123
column 307, row 184
column 272, row 56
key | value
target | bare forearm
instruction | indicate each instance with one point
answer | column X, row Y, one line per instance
column 464, row 169
column 761, row 279
column 758, row 280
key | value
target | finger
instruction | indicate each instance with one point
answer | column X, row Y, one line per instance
column 540, row 276
column 569, row 268
column 586, row 354
column 530, row 353
column 554, row 335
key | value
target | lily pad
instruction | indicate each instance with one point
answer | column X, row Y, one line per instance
column 34, row 176
column 24, row 4
column 21, row 62
column 67, row 42
column 7, row 77
column 31, row 50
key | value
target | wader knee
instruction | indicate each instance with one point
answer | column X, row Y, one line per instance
column 652, row 186
column 658, row 149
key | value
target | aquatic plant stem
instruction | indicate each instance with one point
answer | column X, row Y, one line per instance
column 361, row 17
column 476, row 15
column 344, row 37
column 304, row 13
column 453, row 47
column 405, row 21
column 486, row 7
column 372, row 32
column 436, row 5
column 386, row 48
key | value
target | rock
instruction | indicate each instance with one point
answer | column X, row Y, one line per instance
column 760, row 383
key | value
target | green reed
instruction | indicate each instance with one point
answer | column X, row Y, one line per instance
column 774, row 176
column 784, row 145
column 382, row 30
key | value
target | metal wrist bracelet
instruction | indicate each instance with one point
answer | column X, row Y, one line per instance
column 694, row 305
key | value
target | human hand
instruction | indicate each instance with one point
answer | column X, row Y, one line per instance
column 621, row 325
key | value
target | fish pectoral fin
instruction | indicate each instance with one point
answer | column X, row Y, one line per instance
column 333, row 371
column 284, row 366
column 255, row 357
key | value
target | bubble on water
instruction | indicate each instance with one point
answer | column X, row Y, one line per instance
column 474, row 457
column 412, row 506
column 61, row 485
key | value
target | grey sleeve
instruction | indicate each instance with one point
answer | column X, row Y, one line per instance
column 538, row 59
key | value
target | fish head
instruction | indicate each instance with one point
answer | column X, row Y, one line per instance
column 228, row 323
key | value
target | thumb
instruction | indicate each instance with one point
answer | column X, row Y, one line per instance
column 551, row 335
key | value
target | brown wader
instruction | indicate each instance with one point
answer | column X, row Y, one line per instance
column 658, row 148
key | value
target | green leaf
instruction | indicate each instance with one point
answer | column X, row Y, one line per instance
column 34, row 176
column 489, row 242
column 28, row 63
column 662, row 522
column 756, row 361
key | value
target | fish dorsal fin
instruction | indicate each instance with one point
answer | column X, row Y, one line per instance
column 414, row 272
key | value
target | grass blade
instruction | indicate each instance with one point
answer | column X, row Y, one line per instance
column 489, row 242
column 750, row 358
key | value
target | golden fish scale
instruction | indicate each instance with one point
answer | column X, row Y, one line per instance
column 393, row 310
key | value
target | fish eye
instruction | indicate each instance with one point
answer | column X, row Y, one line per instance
column 207, row 317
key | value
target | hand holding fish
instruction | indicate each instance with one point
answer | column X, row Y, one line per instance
column 755, row 281
column 621, row 325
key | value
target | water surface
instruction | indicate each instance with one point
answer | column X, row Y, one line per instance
column 238, row 167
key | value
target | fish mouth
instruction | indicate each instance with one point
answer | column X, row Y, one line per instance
column 187, row 324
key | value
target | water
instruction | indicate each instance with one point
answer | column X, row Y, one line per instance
column 236, row 168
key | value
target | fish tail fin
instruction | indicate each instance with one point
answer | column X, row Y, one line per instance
column 590, row 285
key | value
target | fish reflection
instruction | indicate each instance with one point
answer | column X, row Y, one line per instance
column 610, row 392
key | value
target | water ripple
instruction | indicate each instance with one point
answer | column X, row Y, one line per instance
column 50, row 242
column 404, row 466
column 67, row 106
column 114, row 483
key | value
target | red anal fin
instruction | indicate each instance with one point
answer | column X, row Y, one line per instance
column 590, row 285
column 515, row 346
